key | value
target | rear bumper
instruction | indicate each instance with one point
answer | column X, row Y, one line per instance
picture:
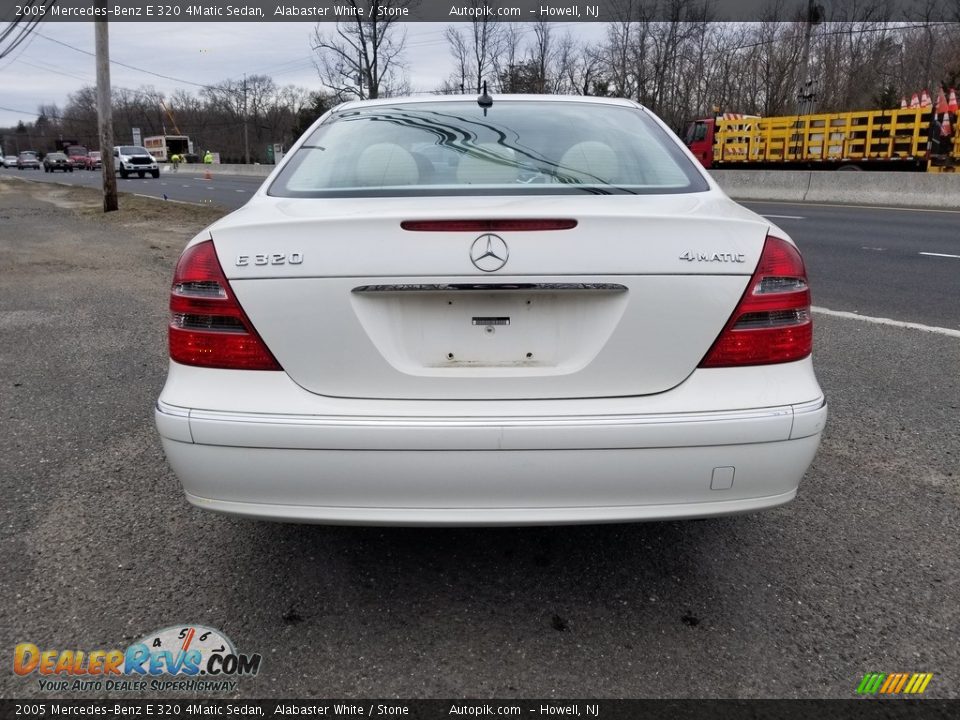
column 491, row 470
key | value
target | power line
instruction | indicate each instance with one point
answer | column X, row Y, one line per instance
column 129, row 67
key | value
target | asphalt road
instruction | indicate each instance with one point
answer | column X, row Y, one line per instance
column 226, row 191
column 880, row 262
column 861, row 573
column 884, row 262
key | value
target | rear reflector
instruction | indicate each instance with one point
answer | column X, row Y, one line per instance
column 486, row 225
column 208, row 328
column 772, row 322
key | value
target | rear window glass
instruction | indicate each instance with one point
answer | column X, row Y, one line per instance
column 516, row 147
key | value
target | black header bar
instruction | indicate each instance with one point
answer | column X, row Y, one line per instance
column 448, row 11
column 862, row 709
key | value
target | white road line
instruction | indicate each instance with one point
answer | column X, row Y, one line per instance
column 839, row 205
column 887, row 321
column 786, row 217
column 939, row 255
column 864, row 247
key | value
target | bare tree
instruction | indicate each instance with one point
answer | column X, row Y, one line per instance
column 362, row 57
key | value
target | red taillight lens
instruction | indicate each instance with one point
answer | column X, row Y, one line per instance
column 772, row 322
column 207, row 325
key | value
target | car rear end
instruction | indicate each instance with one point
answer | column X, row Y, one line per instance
column 28, row 161
column 538, row 313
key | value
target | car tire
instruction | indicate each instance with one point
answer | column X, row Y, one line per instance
column 155, row 174
column 123, row 173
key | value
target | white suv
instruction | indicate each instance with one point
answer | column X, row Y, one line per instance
column 135, row 159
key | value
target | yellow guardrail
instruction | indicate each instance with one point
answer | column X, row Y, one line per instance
column 862, row 136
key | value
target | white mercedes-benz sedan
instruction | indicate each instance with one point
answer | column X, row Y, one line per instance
column 490, row 311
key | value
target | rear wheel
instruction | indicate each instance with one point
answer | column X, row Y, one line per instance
column 155, row 173
column 123, row 172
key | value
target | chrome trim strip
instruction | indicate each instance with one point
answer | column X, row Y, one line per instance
column 485, row 287
column 809, row 407
column 174, row 410
column 473, row 422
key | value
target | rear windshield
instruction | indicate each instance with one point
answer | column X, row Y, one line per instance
column 132, row 150
column 516, row 147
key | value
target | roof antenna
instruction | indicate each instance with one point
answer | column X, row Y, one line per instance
column 485, row 101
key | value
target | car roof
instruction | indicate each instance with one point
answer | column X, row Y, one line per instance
column 417, row 99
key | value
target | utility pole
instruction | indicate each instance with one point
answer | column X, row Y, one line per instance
column 246, row 132
column 105, row 112
column 807, row 92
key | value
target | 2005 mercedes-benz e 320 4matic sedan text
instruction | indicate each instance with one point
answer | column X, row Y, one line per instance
column 513, row 310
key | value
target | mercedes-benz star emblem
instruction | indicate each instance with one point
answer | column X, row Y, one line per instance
column 489, row 253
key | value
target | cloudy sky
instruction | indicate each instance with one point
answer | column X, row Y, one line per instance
column 43, row 71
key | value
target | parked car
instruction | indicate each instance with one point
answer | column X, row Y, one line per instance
column 28, row 160
column 57, row 161
column 514, row 310
column 132, row 159
column 92, row 161
column 9, row 161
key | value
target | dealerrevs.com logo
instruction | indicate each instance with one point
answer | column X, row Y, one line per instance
column 188, row 658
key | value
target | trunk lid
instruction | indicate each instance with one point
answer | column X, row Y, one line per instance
column 626, row 303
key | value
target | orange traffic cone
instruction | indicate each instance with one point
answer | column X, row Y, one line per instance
column 207, row 175
column 942, row 106
column 952, row 103
column 946, row 130
column 925, row 100
column 914, row 101
column 903, row 102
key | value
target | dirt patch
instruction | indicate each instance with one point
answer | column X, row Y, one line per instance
column 135, row 212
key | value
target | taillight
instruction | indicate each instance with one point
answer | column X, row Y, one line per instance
column 772, row 322
column 207, row 325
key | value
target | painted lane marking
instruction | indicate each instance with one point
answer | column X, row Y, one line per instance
column 875, row 249
column 887, row 321
column 786, row 217
column 838, row 205
column 939, row 255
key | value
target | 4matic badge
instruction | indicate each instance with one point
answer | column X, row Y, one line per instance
column 712, row 257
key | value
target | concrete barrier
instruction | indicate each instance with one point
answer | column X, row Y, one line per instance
column 899, row 189
column 222, row 169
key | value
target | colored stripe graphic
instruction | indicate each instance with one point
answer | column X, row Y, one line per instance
column 870, row 683
column 894, row 683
